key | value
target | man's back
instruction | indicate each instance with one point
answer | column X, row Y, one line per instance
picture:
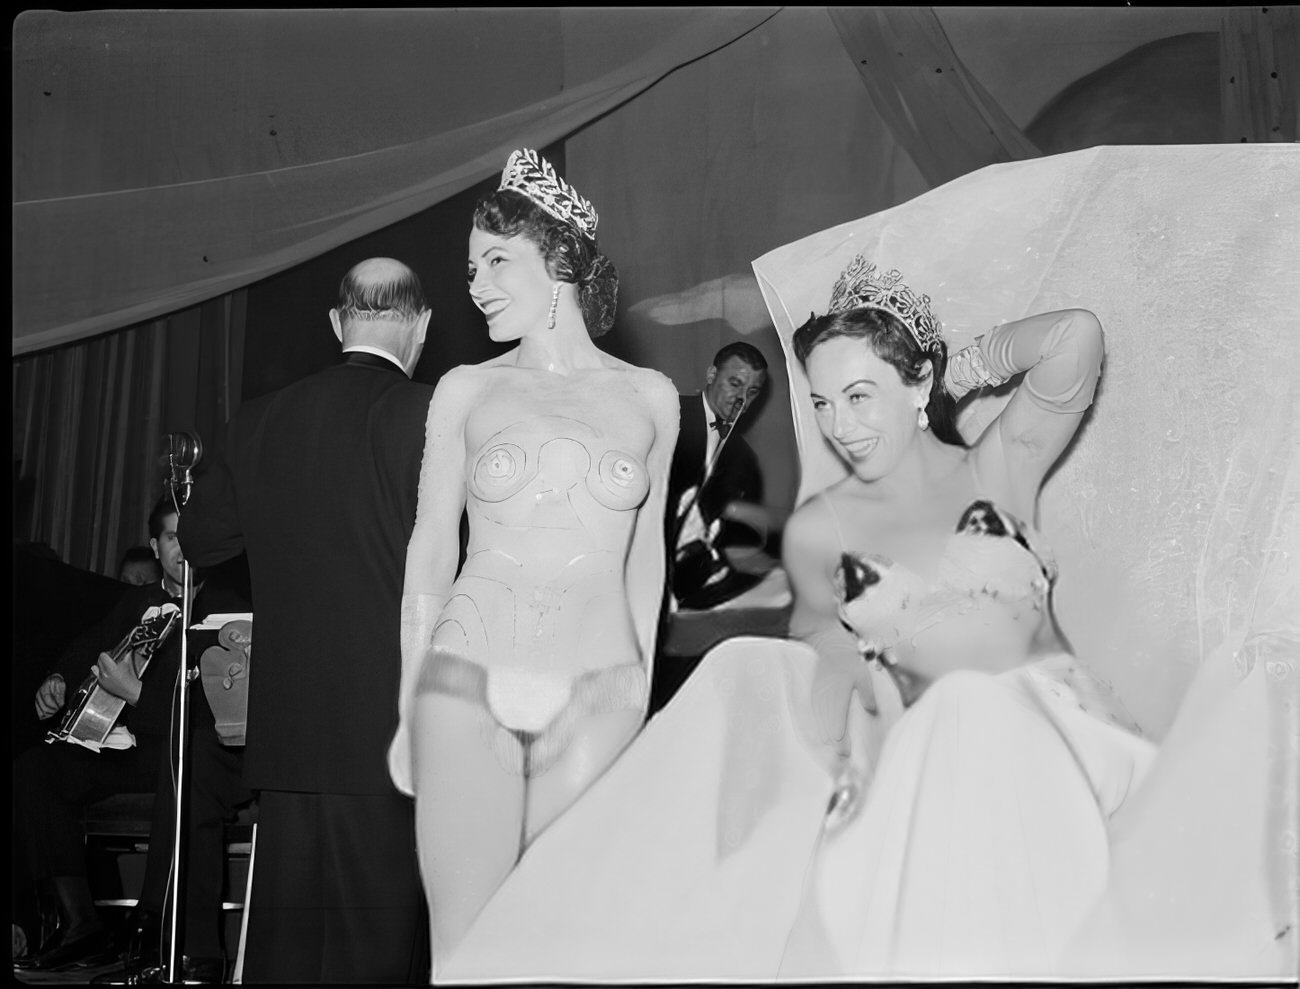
column 324, row 475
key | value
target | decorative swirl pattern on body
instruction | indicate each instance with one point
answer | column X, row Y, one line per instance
column 500, row 472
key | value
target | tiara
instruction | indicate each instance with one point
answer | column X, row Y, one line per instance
column 860, row 287
column 529, row 174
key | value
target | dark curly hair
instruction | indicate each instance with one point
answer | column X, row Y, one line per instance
column 893, row 343
column 570, row 255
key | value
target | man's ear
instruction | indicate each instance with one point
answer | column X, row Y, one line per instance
column 710, row 374
column 153, row 545
column 337, row 323
column 421, row 326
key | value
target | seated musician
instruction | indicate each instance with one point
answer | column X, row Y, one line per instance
column 215, row 788
column 717, row 530
column 54, row 783
column 715, row 487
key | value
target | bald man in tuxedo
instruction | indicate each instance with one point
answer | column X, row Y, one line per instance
column 318, row 486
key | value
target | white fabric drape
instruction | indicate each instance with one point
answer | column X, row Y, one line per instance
column 1172, row 512
column 106, row 252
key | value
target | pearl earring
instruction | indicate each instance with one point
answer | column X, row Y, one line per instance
column 922, row 420
column 555, row 301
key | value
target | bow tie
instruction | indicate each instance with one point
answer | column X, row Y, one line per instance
column 721, row 425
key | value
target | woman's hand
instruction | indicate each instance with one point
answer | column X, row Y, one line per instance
column 835, row 680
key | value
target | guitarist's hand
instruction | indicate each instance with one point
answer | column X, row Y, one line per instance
column 118, row 678
column 50, row 696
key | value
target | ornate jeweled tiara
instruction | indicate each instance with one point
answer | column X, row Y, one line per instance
column 860, row 287
column 529, row 174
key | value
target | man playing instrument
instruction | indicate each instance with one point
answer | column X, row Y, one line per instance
column 715, row 489
column 716, row 485
column 54, row 783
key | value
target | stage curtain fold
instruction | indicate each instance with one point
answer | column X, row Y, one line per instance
column 934, row 106
column 86, row 262
column 89, row 422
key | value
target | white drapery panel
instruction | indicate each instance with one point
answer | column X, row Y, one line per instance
column 231, row 186
column 1174, row 516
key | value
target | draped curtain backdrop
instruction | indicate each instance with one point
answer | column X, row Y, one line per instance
column 163, row 161
column 89, row 422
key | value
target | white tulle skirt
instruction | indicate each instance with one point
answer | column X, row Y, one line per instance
column 1006, row 833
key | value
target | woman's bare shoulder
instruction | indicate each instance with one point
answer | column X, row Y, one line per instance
column 462, row 385
column 836, row 513
column 811, row 524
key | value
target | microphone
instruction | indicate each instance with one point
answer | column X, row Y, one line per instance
column 184, row 451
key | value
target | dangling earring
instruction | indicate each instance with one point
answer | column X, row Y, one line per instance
column 555, row 301
column 922, row 420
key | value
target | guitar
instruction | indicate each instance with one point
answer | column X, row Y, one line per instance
column 93, row 710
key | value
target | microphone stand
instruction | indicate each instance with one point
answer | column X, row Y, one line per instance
column 180, row 482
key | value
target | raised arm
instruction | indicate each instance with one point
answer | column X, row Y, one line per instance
column 434, row 549
column 1060, row 355
column 810, row 551
column 647, row 563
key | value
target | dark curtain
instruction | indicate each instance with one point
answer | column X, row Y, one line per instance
column 89, row 421
column 1259, row 56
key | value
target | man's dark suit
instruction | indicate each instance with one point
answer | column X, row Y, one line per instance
column 735, row 477
column 319, row 486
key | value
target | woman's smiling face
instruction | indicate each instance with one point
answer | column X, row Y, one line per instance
column 863, row 407
column 509, row 282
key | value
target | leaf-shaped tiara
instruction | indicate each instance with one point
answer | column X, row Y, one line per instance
column 859, row 287
column 529, row 174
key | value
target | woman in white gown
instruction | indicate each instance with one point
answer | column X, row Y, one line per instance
column 980, row 809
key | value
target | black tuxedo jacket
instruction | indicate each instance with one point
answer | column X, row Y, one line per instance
column 736, row 476
column 319, row 486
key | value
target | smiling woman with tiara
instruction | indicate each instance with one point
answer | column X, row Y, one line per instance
column 526, row 672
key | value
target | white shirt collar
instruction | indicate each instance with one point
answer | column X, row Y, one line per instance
column 365, row 349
